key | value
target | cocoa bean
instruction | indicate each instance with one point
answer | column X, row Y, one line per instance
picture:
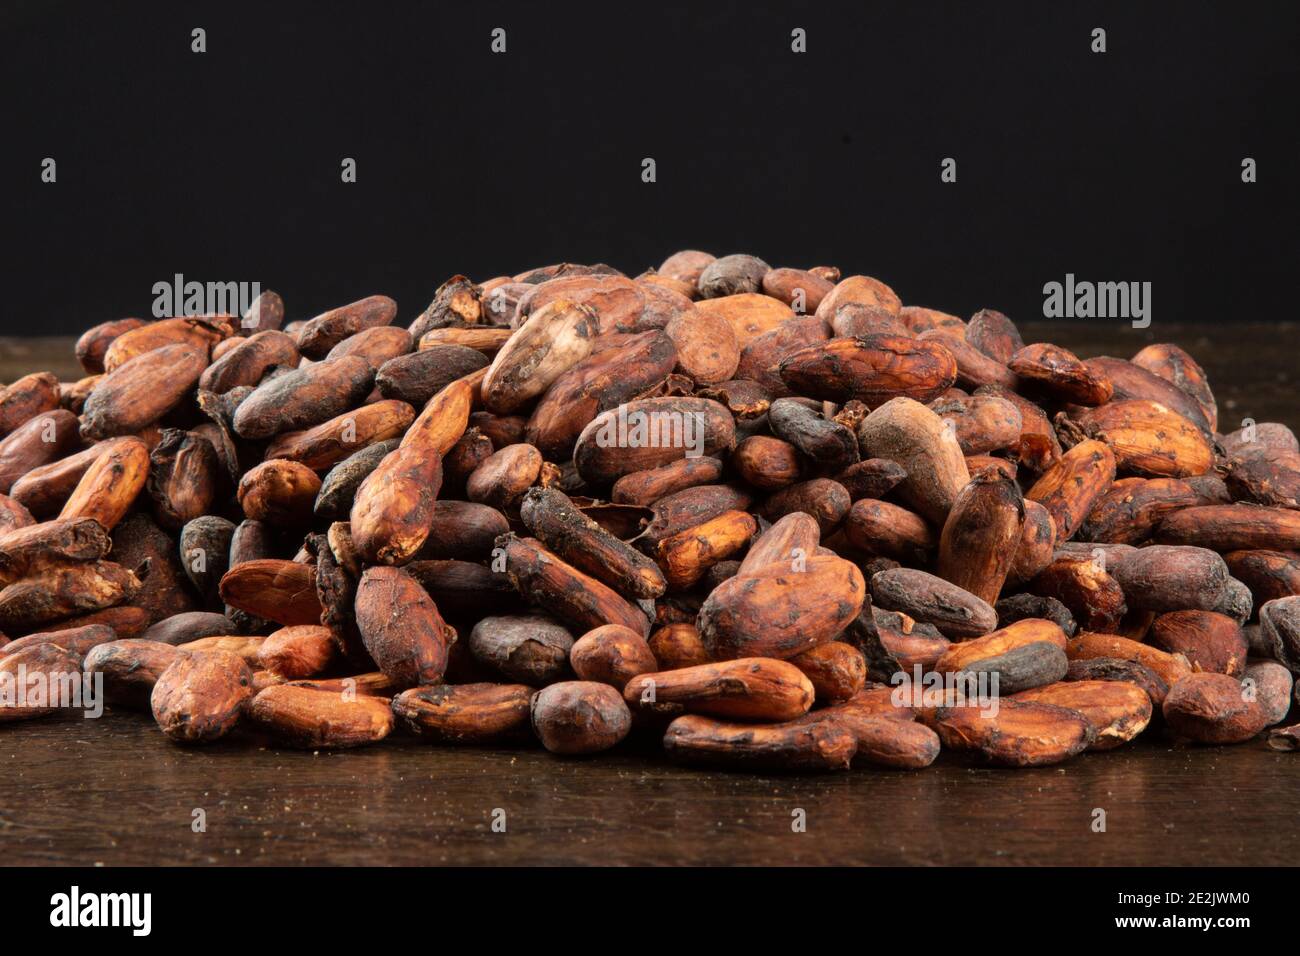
column 201, row 695
column 579, row 717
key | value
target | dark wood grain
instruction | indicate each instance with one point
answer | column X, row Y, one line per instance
column 113, row 791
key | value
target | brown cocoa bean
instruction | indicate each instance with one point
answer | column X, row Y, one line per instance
column 201, row 695
column 401, row 627
column 956, row 612
column 311, row 718
column 797, row 745
column 1118, row 711
column 579, row 717
column 474, row 714
column 1213, row 709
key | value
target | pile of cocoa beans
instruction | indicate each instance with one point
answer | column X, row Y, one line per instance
column 719, row 505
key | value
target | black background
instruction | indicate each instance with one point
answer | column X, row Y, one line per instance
column 225, row 166
column 1046, row 902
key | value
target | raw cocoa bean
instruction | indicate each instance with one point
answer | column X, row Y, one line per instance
column 612, row 655
column 1239, row 527
column 800, row 289
column 878, row 527
column 1087, row 645
column 1021, row 606
column 1020, row 734
column 1210, row 641
column 956, row 612
column 141, row 391
column 908, row 433
column 41, row 666
column 1131, row 508
column 981, row 535
column 731, row 275
column 797, row 745
column 248, row 360
column 974, row 368
column 558, row 587
column 1213, row 709
column 982, row 423
column 328, row 329
column 994, row 334
column 310, row 718
column 1059, row 373
column 1148, row 438
column 863, row 290
column 95, row 341
column 873, row 369
column 303, row 398
column 767, row 463
column 280, row 591
column 826, row 500
column 77, row 640
column 754, row 688
column 579, row 717
column 200, row 696
column 331, row 442
column 38, row 442
column 647, row 487
column 1094, row 597
column 1172, row 578
column 778, row 612
column 1130, row 381
column 837, row 670
column 873, row 478
column 401, row 627
column 280, row 492
column 465, row 531
column 474, row 714
column 392, row 512
column 1272, row 685
column 685, row 266
column 188, row 626
column 1118, row 711
column 1116, row 669
column 376, row 345
column 130, row 668
column 686, row 556
column 1070, row 488
column 677, row 645
column 650, row 433
column 503, row 478
column 297, row 652
column 62, row 590
column 528, row 649
column 1174, row 365
column 199, row 332
column 28, row 550
column 761, row 357
column 825, row 442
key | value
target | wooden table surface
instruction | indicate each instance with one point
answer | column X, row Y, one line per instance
column 114, row 791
